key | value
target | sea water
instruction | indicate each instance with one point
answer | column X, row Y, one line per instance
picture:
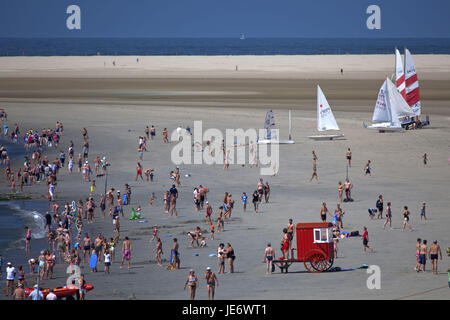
column 217, row 46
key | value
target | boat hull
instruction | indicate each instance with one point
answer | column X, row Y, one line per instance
column 326, row 136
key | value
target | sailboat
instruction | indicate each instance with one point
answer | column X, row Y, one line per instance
column 325, row 118
column 389, row 108
column 269, row 124
column 412, row 84
column 242, row 36
column 399, row 74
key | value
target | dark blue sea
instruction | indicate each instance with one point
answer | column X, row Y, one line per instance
column 216, row 46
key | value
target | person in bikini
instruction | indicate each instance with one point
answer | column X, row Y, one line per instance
column 192, row 283
column 285, row 244
column 340, row 191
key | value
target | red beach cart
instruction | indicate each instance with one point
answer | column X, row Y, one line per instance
column 314, row 247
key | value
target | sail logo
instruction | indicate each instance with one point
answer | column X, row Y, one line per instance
column 324, row 112
column 210, row 147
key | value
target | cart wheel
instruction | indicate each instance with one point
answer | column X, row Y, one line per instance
column 329, row 264
column 315, row 261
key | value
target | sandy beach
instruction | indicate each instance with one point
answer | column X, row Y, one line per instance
column 115, row 103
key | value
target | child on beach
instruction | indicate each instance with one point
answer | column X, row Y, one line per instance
column 107, row 256
column 155, row 233
column 244, row 198
column 152, row 199
column 212, row 231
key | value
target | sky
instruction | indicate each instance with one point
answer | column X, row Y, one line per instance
column 225, row 18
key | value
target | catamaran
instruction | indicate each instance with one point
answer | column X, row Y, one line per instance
column 325, row 118
column 270, row 136
column 389, row 108
column 412, row 84
column 408, row 86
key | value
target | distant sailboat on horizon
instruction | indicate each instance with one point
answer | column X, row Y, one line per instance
column 242, row 36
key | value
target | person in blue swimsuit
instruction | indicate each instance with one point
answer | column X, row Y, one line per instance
column 244, row 198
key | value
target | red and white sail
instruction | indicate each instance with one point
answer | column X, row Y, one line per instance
column 399, row 74
column 412, row 84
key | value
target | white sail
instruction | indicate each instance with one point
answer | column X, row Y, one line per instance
column 399, row 74
column 269, row 124
column 398, row 106
column 382, row 112
column 325, row 118
column 412, row 84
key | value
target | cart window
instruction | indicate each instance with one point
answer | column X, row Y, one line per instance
column 323, row 235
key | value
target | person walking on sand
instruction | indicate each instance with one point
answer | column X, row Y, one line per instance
column 244, row 198
column 126, row 252
column 211, row 280
column 28, row 241
column 340, row 191
column 425, row 159
column 406, row 219
column 314, row 173
column 365, row 239
column 434, row 253
column 348, row 154
column 266, row 192
column 220, row 220
column 159, row 252
column 367, row 169
column 269, row 254
column 423, row 255
column 208, row 213
column 138, row 172
column 422, row 211
column 255, row 200
column 418, row 243
column 192, row 283
column 388, row 216
column 165, row 136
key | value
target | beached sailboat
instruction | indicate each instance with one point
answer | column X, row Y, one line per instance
column 412, row 84
column 399, row 74
column 325, row 118
column 389, row 109
column 269, row 124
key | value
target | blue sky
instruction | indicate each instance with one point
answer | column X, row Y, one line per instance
column 225, row 18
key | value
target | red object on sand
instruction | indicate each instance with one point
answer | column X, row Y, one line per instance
column 59, row 291
column 315, row 247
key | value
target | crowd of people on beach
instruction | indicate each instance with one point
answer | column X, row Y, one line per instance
column 66, row 227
